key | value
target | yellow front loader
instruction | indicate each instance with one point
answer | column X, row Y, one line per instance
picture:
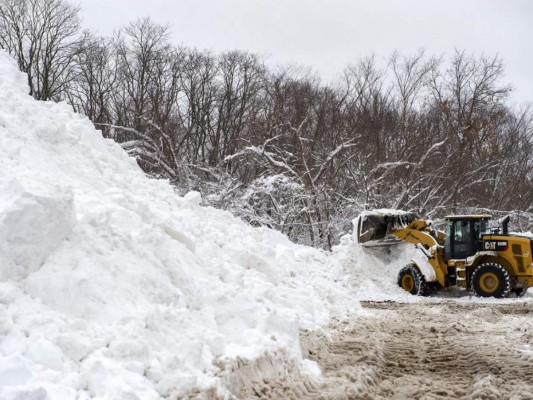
column 469, row 255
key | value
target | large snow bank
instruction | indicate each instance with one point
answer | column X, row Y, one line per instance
column 113, row 287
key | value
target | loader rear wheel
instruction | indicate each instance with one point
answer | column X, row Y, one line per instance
column 491, row 280
column 411, row 280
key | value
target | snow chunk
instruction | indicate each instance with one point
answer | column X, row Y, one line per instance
column 107, row 379
column 24, row 393
column 311, row 368
column 14, row 371
column 31, row 226
column 193, row 198
column 6, row 322
column 45, row 353
column 74, row 346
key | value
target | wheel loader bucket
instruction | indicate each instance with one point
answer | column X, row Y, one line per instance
column 375, row 228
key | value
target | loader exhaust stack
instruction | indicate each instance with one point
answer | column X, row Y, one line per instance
column 375, row 228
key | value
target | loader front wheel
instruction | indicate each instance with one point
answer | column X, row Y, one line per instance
column 411, row 280
column 491, row 280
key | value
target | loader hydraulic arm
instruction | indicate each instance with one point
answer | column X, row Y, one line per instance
column 417, row 232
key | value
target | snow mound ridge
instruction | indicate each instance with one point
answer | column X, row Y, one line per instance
column 112, row 286
column 11, row 79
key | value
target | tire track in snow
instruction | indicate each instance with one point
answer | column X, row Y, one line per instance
column 431, row 351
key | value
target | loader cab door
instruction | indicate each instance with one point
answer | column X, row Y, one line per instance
column 461, row 239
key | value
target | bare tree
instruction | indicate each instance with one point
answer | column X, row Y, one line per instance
column 42, row 35
column 237, row 101
column 91, row 90
column 276, row 145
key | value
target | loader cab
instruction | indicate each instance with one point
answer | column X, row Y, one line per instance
column 463, row 235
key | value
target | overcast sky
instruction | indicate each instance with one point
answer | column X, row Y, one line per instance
column 327, row 35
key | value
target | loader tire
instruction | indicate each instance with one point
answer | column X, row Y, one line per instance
column 411, row 280
column 491, row 280
column 519, row 292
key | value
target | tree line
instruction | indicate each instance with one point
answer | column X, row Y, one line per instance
column 276, row 145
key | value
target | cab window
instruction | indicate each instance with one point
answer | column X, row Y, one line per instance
column 462, row 231
column 481, row 228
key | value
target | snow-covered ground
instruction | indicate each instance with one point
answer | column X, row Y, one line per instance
column 113, row 287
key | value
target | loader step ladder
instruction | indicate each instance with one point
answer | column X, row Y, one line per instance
column 460, row 272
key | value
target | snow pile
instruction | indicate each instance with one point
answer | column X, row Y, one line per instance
column 371, row 273
column 113, row 287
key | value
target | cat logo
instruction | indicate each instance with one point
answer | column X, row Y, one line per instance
column 495, row 245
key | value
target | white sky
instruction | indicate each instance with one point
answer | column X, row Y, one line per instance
column 327, row 35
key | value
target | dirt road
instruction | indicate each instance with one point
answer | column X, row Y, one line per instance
column 441, row 350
